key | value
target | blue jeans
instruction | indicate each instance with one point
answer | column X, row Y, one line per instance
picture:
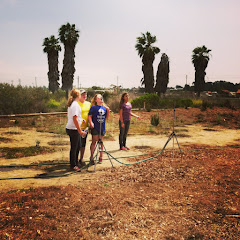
column 123, row 133
column 75, row 141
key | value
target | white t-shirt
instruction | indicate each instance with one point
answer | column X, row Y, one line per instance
column 74, row 110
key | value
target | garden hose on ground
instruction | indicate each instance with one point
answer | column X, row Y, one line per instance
column 116, row 159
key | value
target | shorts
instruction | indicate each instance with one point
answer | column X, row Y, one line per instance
column 94, row 131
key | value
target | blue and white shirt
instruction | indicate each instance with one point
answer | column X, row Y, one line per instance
column 99, row 114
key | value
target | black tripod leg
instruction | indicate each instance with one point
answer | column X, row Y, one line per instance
column 169, row 139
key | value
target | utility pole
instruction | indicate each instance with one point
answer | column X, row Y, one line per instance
column 117, row 84
column 78, row 82
column 36, row 81
column 186, row 79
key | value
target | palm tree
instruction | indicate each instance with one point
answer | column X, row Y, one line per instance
column 69, row 37
column 147, row 52
column 200, row 59
column 52, row 47
column 162, row 75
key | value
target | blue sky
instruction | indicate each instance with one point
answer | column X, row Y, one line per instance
column 105, row 52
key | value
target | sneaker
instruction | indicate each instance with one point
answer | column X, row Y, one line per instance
column 123, row 148
column 76, row 168
column 127, row 148
column 100, row 160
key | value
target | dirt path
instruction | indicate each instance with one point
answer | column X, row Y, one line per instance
column 139, row 144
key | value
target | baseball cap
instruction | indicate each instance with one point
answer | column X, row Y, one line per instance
column 82, row 91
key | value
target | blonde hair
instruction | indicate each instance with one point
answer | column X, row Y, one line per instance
column 94, row 100
column 72, row 96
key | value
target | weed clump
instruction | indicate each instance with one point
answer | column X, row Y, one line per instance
column 155, row 119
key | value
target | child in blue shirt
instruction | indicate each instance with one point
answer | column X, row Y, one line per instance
column 97, row 116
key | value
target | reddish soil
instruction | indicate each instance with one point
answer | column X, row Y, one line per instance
column 193, row 195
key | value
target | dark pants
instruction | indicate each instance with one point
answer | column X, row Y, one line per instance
column 75, row 141
column 123, row 133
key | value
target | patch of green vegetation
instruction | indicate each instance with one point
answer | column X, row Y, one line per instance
column 3, row 139
column 19, row 152
column 57, row 129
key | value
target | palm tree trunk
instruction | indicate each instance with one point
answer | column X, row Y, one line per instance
column 199, row 81
column 147, row 69
column 53, row 73
column 68, row 68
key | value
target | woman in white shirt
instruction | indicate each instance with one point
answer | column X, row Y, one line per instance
column 73, row 127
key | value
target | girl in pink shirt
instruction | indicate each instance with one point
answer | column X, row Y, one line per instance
column 124, row 120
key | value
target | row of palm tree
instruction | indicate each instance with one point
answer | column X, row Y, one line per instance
column 68, row 36
column 147, row 52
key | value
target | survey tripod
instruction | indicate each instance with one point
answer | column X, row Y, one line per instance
column 173, row 134
column 99, row 147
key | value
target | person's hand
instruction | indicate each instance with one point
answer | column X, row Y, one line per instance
column 83, row 134
column 92, row 125
column 122, row 125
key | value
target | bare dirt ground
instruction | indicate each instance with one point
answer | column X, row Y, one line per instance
column 188, row 195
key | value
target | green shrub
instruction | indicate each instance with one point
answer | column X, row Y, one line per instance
column 138, row 102
column 197, row 102
column 52, row 103
column 155, row 119
column 19, row 99
column 186, row 102
column 151, row 100
column 14, row 100
column 166, row 103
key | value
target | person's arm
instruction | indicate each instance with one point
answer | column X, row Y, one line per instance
column 121, row 118
column 90, row 121
column 134, row 115
column 75, row 120
column 108, row 112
